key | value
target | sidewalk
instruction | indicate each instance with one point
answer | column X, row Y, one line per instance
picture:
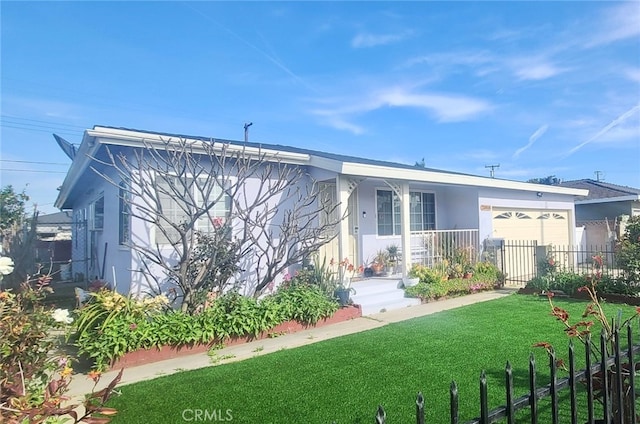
column 81, row 384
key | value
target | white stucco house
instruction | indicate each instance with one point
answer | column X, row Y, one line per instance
column 386, row 203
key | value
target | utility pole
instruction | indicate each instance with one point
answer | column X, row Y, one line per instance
column 598, row 174
column 493, row 168
column 246, row 131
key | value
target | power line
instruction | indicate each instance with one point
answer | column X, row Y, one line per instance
column 31, row 170
column 43, row 122
column 37, row 163
column 42, row 130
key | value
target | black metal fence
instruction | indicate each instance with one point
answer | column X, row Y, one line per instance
column 523, row 260
column 608, row 379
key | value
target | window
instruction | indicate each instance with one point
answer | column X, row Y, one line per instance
column 174, row 210
column 124, row 222
column 97, row 213
column 422, row 212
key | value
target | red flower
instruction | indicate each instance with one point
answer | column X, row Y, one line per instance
column 560, row 314
column 550, row 294
column 133, row 326
column 597, row 261
column 544, row 345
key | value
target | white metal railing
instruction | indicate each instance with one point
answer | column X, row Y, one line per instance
column 430, row 247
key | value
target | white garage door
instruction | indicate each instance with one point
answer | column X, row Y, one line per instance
column 544, row 226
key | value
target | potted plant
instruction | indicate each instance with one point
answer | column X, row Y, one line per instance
column 379, row 262
column 468, row 271
column 392, row 258
column 410, row 281
column 343, row 289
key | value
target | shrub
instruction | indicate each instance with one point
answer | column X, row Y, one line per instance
column 111, row 325
column 426, row 275
column 451, row 287
column 629, row 251
column 304, row 303
column 34, row 375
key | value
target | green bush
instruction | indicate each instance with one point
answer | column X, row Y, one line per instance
column 111, row 325
column 426, row 275
column 629, row 251
column 450, row 287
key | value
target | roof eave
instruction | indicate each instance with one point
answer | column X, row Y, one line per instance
column 631, row 198
column 86, row 151
column 422, row 175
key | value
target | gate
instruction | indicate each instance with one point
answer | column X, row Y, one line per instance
column 518, row 260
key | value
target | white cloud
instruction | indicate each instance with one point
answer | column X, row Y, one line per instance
column 633, row 74
column 610, row 126
column 340, row 112
column 446, row 107
column 537, row 71
column 532, row 139
column 365, row 39
column 620, row 22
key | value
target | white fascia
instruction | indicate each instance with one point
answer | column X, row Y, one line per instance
column 632, row 198
column 138, row 139
column 81, row 161
column 419, row 175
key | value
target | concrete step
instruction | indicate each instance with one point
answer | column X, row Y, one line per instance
column 388, row 305
column 376, row 295
column 375, row 285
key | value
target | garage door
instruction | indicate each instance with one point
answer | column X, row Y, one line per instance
column 544, row 226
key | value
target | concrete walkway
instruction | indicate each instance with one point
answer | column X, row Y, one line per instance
column 81, row 384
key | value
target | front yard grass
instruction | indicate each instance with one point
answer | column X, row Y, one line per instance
column 345, row 379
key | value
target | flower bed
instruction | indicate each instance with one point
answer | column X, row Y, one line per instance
column 145, row 356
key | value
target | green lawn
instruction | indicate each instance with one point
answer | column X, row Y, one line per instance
column 345, row 379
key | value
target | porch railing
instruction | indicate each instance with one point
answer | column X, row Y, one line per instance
column 430, row 247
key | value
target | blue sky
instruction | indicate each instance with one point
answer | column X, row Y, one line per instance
column 541, row 88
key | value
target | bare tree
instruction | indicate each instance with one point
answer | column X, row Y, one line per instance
column 260, row 214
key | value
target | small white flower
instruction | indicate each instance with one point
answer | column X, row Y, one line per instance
column 6, row 265
column 62, row 315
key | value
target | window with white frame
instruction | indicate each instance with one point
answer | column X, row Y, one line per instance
column 422, row 212
column 174, row 210
column 96, row 215
column 124, row 214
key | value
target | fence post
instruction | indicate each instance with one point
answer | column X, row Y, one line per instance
column 484, row 401
column 606, row 400
column 380, row 415
column 453, row 392
column 553, row 386
column 572, row 383
column 589, row 376
column 618, row 376
column 632, row 370
column 420, row 409
column 533, row 390
column 509, row 387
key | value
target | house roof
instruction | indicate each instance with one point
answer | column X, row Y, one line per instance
column 57, row 218
column 602, row 192
column 343, row 164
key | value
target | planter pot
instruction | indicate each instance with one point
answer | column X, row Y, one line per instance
column 343, row 295
column 410, row 282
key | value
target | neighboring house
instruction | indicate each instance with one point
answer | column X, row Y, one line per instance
column 598, row 211
column 386, row 203
column 53, row 245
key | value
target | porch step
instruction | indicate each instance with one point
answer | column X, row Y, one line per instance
column 377, row 295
